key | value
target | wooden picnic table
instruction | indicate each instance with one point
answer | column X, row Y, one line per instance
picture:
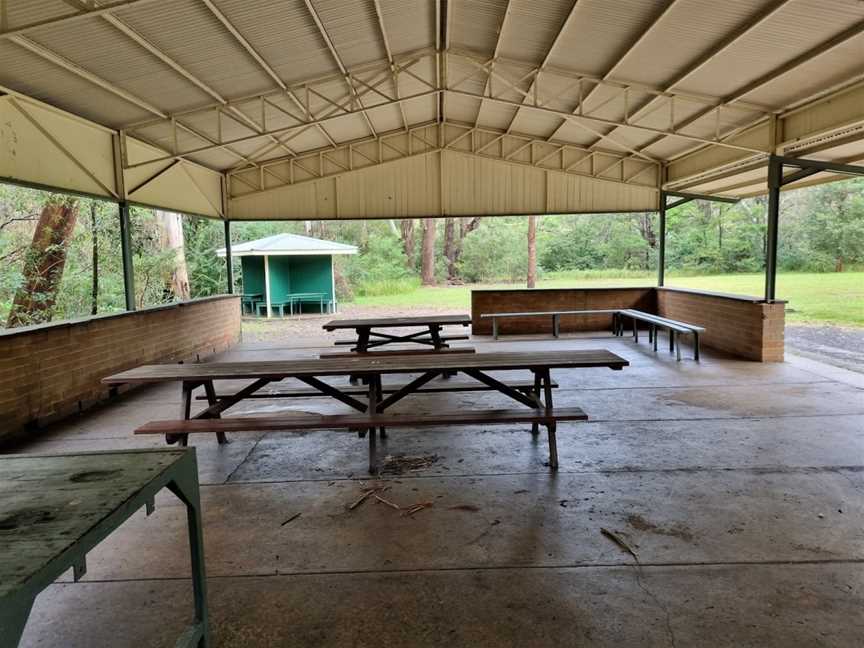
column 429, row 334
column 372, row 368
column 55, row 508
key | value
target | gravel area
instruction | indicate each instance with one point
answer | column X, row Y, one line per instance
column 839, row 346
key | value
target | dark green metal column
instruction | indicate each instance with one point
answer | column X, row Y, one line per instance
column 775, row 175
column 229, row 263
column 126, row 251
column 661, row 254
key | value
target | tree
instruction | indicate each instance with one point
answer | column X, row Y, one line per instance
column 532, row 251
column 427, row 255
column 407, row 228
column 44, row 262
column 176, row 280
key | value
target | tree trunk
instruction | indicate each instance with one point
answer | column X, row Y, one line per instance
column 532, row 251
column 171, row 238
column 407, row 227
column 451, row 248
column 427, row 256
column 44, row 262
column 94, row 233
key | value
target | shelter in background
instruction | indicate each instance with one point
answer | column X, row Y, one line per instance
column 285, row 271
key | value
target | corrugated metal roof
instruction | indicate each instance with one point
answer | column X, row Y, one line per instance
column 209, row 52
column 288, row 245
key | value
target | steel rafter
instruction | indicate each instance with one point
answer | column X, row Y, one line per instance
column 61, row 61
column 746, row 28
column 823, row 48
column 332, row 48
column 619, row 59
column 539, row 103
column 533, row 87
column 424, row 139
column 246, row 45
column 495, row 52
column 380, row 15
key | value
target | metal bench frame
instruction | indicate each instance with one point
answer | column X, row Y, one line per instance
column 555, row 315
column 673, row 327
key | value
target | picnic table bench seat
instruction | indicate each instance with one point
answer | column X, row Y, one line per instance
column 394, row 352
column 372, row 421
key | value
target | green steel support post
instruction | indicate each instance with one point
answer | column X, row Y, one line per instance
column 775, row 174
column 126, row 251
column 228, row 260
column 661, row 255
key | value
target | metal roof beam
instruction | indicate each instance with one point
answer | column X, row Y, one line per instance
column 620, row 58
column 747, row 27
column 329, row 43
column 389, row 52
column 287, row 131
column 823, row 48
column 246, row 45
column 487, row 87
column 72, row 18
column 174, row 65
column 61, row 61
column 531, row 88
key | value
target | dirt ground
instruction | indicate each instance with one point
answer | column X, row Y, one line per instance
column 309, row 326
column 840, row 346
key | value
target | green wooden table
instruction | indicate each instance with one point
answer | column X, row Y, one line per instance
column 55, row 508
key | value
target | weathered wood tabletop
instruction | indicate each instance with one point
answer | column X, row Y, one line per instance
column 399, row 322
column 278, row 369
column 56, row 508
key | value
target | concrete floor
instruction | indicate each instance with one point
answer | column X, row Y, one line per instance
column 738, row 485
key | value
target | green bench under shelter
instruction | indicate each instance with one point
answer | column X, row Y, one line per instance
column 288, row 274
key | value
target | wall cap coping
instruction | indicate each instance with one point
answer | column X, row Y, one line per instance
column 79, row 321
column 540, row 290
column 732, row 296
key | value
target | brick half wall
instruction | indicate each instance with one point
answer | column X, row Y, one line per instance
column 50, row 371
column 742, row 326
column 551, row 299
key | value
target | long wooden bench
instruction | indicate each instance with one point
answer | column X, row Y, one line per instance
column 555, row 315
column 372, row 421
column 450, row 386
column 656, row 322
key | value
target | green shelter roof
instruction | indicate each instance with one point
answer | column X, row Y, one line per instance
column 288, row 245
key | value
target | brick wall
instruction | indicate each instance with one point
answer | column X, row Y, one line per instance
column 534, row 300
column 52, row 370
column 742, row 326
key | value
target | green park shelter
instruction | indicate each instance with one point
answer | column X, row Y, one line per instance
column 288, row 273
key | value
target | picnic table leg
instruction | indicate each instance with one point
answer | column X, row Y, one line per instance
column 551, row 427
column 376, row 392
column 435, row 334
column 538, row 381
column 186, row 389
column 211, row 400
column 373, row 407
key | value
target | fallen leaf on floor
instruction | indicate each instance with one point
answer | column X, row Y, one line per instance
column 614, row 537
column 465, row 507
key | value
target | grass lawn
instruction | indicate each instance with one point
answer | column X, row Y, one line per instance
column 831, row 298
